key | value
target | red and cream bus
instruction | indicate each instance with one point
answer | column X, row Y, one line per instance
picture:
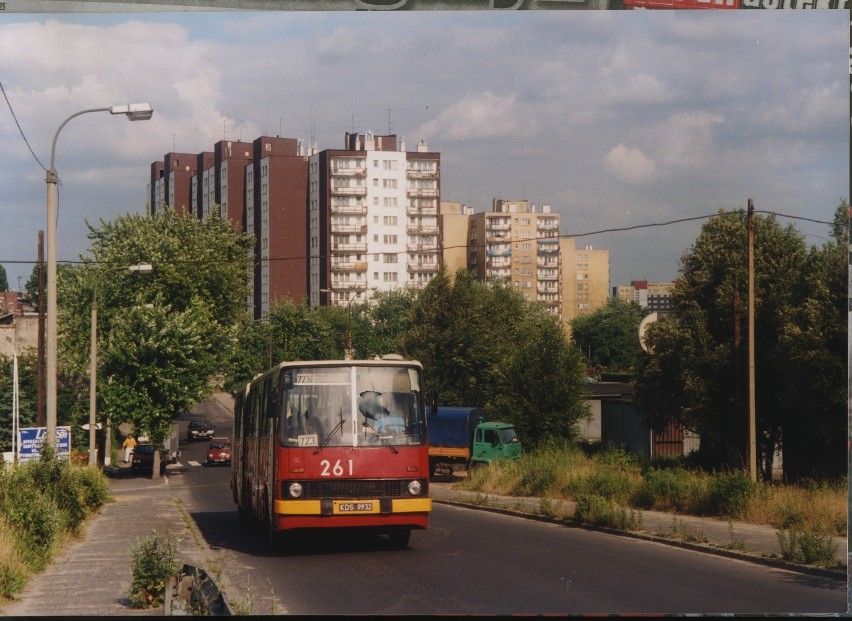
column 329, row 444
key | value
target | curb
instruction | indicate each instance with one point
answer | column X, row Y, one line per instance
column 779, row 563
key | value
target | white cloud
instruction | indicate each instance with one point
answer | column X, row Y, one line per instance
column 630, row 164
column 483, row 115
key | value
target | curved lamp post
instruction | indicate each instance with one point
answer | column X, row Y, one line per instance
column 134, row 112
column 93, row 359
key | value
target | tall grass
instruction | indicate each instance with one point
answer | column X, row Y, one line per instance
column 564, row 471
column 42, row 503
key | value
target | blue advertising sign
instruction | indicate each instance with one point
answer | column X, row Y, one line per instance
column 31, row 439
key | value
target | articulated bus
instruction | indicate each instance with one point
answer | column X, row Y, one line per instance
column 331, row 444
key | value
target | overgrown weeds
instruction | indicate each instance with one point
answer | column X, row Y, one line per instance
column 154, row 559
column 562, row 471
column 41, row 503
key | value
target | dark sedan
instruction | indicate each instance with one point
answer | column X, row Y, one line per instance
column 143, row 458
column 200, row 430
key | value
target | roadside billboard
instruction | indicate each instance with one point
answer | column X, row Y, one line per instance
column 31, row 439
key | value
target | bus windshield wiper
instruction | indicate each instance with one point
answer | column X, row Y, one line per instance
column 328, row 437
column 381, row 438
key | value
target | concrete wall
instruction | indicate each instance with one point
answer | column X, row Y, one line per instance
column 19, row 335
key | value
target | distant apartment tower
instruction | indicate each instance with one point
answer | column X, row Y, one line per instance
column 372, row 218
column 171, row 182
column 276, row 184
column 655, row 296
column 260, row 189
column 585, row 279
column 518, row 244
column 454, row 222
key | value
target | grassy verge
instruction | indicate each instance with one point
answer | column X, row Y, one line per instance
column 617, row 479
column 42, row 504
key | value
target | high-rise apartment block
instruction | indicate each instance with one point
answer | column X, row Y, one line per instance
column 454, row 222
column 372, row 218
column 332, row 226
column 517, row 243
column 585, row 279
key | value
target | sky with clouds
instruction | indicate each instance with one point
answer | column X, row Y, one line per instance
column 616, row 119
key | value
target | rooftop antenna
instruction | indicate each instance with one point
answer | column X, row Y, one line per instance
column 390, row 133
column 352, row 127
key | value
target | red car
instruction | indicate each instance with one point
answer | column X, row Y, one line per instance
column 219, row 451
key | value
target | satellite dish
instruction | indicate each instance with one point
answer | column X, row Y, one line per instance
column 643, row 326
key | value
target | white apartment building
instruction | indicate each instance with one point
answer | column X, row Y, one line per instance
column 372, row 219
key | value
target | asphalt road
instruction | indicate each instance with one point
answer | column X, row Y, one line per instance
column 473, row 562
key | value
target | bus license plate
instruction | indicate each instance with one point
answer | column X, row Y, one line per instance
column 360, row 506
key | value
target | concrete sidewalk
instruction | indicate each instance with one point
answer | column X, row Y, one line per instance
column 92, row 575
column 750, row 542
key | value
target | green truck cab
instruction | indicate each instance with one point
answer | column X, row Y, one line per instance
column 460, row 439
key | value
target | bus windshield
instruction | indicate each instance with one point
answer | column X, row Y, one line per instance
column 351, row 406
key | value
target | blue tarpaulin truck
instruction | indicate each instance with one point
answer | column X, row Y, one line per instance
column 460, row 438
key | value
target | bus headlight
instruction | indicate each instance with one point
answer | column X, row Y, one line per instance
column 295, row 490
column 415, row 488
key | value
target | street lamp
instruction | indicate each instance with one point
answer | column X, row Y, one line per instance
column 134, row 112
column 349, row 300
column 93, row 358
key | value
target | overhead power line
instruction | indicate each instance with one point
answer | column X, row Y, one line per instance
column 567, row 235
column 19, row 127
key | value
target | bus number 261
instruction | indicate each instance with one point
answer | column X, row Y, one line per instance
column 338, row 469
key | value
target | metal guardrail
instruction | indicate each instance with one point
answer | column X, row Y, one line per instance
column 194, row 592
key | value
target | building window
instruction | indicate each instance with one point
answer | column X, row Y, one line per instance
column 390, row 239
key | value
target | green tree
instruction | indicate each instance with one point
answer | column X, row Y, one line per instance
column 4, row 279
column 161, row 336
column 484, row 345
column 698, row 373
column 610, row 335
column 27, row 393
column 290, row 331
column 814, row 349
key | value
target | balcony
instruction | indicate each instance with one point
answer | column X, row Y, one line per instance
column 360, row 209
column 548, row 225
column 346, row 285
column 348, row 190
column 356, row 247
column 548, row 275
column 349, row 172
column 421, row 174
column 424, row 192
column 547, row 262
column 349, row 266
column 422, row 268
column 421, row 248
column 544, row 288
column 421, row 211
column 349, row 228
column 422, row 229
column 547, row 249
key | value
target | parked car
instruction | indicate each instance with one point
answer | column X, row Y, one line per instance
column 219, row 451
column 200, row 429
column 142, row 458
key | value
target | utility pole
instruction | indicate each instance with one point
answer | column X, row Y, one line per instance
column 41, row 375
column 752, row 426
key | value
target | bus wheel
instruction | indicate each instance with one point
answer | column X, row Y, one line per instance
column 399, row 536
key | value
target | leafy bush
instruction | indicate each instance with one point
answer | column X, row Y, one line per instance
column 154, row 560
column 729, row 494
column 600, row 511
column 664, row 490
